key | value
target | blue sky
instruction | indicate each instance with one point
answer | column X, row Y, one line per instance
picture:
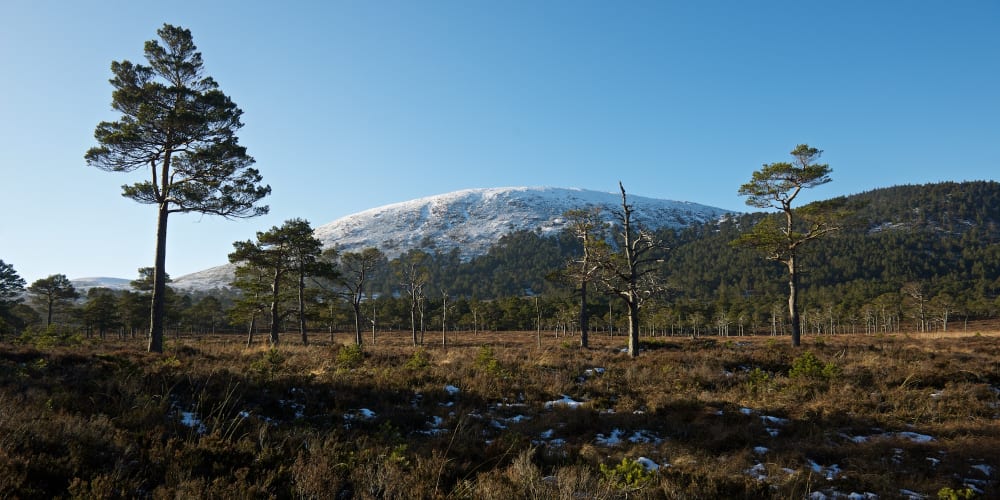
column 350, row 105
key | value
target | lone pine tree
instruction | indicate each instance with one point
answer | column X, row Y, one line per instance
column 776, row 185
column 176, row 123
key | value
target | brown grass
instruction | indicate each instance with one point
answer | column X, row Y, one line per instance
column 107, row 420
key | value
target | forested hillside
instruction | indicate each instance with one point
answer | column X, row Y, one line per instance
column 925, row 254
column 908, row 257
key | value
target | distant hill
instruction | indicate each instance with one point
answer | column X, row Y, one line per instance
column 471, row 221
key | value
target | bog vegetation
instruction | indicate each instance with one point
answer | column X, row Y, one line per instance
column 493, row 415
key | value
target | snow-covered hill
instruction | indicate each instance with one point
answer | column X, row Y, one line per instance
column 83, row 284
column 472, row 220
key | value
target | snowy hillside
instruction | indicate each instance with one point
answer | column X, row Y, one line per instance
column 83, row 284
column 472, row 220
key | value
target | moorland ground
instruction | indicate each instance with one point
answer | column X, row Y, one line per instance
column 500, row 415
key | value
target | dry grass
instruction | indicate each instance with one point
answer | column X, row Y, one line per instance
column 722, row 417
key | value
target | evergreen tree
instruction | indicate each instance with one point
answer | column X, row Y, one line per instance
column 282, row 252
column 51, row 292
column 776, row 185
column 11, row 288
column 101, row 311
column 178, row 124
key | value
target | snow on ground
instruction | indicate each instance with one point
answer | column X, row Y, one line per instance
column 566, row 402
column 649, row 464
column 361, row 414
column 830, row 472
column 190, row 419
column 452, row 390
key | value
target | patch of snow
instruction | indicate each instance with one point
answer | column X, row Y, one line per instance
column 190, row 419
column 985, row 469
column 774, row 420
column 644, row 437
column 746, row 411
column 758, row 472
column 761, row 450
column 772, row 431
column 360, row 414
column 912, row 495
column 452, row 390
column 613, row 440
column 566, row 401
column 830, row 472
column 547, row 434
column 913, row 436
column 650, row 465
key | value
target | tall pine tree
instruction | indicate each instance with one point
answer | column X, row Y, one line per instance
column 176, row 123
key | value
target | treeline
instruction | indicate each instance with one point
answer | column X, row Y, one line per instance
column 913, row 257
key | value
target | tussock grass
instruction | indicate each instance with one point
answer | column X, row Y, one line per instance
column 495, row 416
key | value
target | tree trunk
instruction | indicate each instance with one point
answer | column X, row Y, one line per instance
column 633, row 326
column 357, row 322
column 413, row 318
column 302, row 308
column 157, row 308
column 584, row 317
column 793, row 302
column 253, row 325
column 51, row 302
column 275, row 319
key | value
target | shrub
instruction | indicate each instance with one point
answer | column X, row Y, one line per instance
column 350, row 356
column 418, row 360
column 487, row 361
column 807, row 366
column 627, row 475
column 759, row 381
column 269, row 363
column 51, row 336
column 950, row 494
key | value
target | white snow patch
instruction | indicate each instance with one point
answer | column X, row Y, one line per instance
column 830, row 472
column 758, row 472
column 761, row 450
column 566, row 401
column 912, row 436
column 190, row 419
column 767, row 419
column 650, row 465
column 613, row 440
column 985, row 469
column 912, row 495
column 359, row 414
column 452, row 390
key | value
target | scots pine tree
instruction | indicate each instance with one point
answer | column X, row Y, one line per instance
column 181, row 129
column 776, row 185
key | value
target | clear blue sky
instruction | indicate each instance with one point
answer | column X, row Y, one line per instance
column 355, row 104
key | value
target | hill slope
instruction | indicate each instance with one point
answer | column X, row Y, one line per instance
column 472, row 221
